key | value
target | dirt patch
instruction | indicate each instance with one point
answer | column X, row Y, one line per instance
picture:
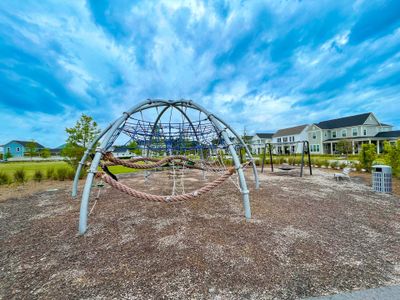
column 309, row 236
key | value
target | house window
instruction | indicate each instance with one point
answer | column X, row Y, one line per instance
column 17, row 149
column 279, row 140
column 315, row 148
column 314, row 135
column 344, row 133
column 365, row 131
column 333, row 134
column 285, row 139
column 355, row 131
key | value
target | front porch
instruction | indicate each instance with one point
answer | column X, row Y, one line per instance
column 330, row 147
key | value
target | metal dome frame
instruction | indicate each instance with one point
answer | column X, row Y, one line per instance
column 113, row 130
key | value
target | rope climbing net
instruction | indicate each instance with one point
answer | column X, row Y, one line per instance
column 169, row 143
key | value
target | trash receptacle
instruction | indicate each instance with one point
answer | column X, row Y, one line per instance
column 382, row 179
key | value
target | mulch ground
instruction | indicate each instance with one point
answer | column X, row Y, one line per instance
column 309, row 236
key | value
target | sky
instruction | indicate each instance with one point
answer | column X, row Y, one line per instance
column 262, row 65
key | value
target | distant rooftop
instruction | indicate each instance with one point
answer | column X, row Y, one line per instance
column 265, row 135
column 290, row 130
column 345, row 121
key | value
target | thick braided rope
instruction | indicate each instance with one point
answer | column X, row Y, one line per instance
column 157, row 198
column 157, row 163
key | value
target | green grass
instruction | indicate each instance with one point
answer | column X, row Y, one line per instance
column 30, row 167
column 121, row 169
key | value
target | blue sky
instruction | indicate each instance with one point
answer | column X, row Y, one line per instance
column 260, row 64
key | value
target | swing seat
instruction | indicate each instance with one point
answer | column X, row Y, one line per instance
column 286, row 167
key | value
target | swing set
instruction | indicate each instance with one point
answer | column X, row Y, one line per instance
column 291, row 149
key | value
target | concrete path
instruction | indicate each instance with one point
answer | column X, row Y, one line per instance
column 383, row 293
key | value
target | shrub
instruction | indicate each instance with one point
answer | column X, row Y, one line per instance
column 71, row 174
column 4, row 178
column 38, row 176
column 325, row 163
column 61, row 173
column 334, row 164
column 343, row 165
column 392, row 156
column 367, row 156
column 50, row 172
column 20, row 176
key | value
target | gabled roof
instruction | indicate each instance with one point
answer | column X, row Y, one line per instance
column 25, row 143
column 389, row 134
column 383, row 124
column 265, row 135
column 344, row 122
column 290, row 131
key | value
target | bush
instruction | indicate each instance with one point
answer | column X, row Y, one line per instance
column 343, row 165
column 50, row 173
column 367, row 156
column 325, row 163
column 38, row 176
column 20, row 176
column 392, row 156
column 4, row 178
column 61, row 174
column 71, row 174
column 334, row 164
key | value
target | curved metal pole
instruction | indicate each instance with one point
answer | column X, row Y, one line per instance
column 238, row 167
column 236, row 135
column 83, row 215
column 83, row 160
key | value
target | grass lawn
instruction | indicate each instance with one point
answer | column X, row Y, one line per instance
column 30, row 167
column 121, row 169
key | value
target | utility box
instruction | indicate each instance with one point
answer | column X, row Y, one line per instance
column 382, row 179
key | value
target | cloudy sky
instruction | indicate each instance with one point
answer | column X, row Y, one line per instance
column 259, row 64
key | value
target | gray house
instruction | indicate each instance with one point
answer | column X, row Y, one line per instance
column 359, row 129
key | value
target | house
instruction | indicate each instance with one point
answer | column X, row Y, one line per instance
column 358, row 129
column 122, row 152
column 19, row 148
column 258, row 141
column 286, row 140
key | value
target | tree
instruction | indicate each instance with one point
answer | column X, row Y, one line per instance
column 344, row 147
column 31, row 149
column 8, row 154
column 134, row 148
column 45, row 153
column 392, row 156
column 367, row 156
column 79, row 138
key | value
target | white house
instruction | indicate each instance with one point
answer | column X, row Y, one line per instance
column 285, row 140
column 122, row 152
column 258, row 142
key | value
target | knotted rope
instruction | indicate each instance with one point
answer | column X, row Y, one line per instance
column 157, row 198
column 111, row 160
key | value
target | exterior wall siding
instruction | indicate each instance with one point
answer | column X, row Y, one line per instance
column 16, row 149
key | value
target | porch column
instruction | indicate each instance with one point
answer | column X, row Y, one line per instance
column 331, row 148
column 352, row 147
column 378, row 150
column 369, row 141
